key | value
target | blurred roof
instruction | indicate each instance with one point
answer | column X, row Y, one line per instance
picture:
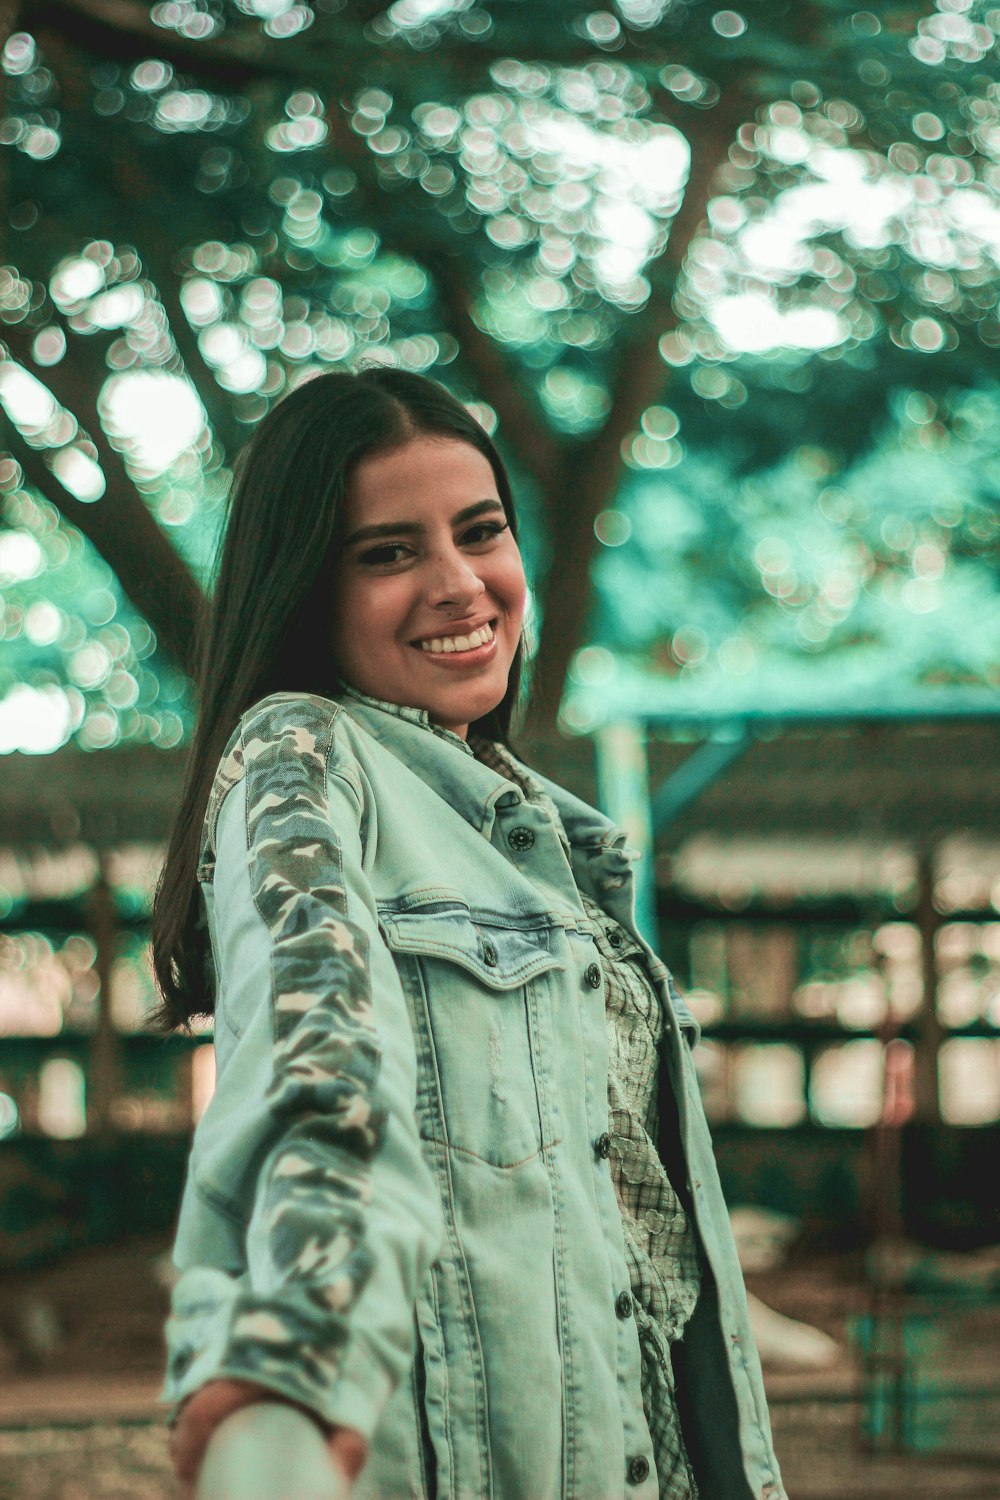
column 912, row 764
column 886, row 772
column 878, row 780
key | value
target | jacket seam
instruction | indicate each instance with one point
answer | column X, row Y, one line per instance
column 219, row 1201
column 469, row 1322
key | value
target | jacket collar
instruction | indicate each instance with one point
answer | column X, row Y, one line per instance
column 438, row 756
column 448, row 763
column 418, row 716
column 599, row 856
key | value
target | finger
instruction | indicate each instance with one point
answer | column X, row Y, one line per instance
column 188, row 1442
column 348, row 1450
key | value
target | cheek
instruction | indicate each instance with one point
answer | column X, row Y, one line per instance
column 512, row 587
column 370, row 611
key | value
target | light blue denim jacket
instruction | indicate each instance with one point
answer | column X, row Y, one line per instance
column 399, row 1156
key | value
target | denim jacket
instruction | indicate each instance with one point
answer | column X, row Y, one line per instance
column 396, row 1211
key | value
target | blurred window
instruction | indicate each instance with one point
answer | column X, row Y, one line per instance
column 846, row 1085
column 970, row 1081
column 768, row 1085
column 62, row 1099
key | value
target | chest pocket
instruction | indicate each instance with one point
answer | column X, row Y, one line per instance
column 474, row 992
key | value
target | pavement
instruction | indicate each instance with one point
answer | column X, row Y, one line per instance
column 80, row 1368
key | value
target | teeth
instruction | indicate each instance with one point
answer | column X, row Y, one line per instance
column 451, row 643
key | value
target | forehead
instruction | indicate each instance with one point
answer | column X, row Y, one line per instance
column 425, row 478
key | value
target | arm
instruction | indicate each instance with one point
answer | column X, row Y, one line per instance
column 314, row 1111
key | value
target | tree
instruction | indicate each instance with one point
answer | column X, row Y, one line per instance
column 573, row 218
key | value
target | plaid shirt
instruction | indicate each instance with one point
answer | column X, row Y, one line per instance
column 660, row 1242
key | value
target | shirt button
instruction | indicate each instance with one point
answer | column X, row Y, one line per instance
column 603, row 1146
column 520, row 839
column 489, row 954
column 638, row 1469
column 615, row 938
column 593, row 976
column 623, row 1305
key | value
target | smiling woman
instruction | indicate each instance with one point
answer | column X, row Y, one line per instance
column 429, row 585
column 453, row 1195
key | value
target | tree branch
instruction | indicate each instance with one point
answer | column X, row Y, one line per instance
column 522, row 428
column 121, row 30
column 150, row 570
column 161, row 589
column 524, row 431
column 594, row 471
column 137, row 214
column 134, row 190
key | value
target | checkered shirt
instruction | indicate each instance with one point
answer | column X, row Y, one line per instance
column 660, row 1241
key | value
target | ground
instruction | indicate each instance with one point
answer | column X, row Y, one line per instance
column 80, row 1360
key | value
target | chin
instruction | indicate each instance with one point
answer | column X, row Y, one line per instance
column 454, row 714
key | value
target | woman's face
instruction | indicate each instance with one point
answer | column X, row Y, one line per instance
column 429, row 586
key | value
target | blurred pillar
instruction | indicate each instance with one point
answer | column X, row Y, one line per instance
column 105, row 1061
column 929, row 1031
column 623, row 789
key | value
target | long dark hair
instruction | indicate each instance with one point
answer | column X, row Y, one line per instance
column 267, row 629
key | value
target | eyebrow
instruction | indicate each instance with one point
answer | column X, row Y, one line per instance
column 415, row 528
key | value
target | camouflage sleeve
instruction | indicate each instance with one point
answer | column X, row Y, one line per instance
column 342, row 1215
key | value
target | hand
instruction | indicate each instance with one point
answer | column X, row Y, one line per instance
column 197, row 1420
column 204, row 1411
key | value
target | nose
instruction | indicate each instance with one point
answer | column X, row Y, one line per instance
column 453, row 582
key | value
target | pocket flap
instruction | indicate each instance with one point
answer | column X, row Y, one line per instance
column 500, row 957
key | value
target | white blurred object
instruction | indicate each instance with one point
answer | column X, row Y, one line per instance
column 763, row 1239
column 38, row 1332
column 163, row 1270
column 785, row 1344
column 762, row 1236
column 901, row 1263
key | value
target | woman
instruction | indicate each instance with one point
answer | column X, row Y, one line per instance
column 425, row 1204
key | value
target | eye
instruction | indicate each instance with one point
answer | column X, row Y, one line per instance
column 385, row 555
column 483, row 531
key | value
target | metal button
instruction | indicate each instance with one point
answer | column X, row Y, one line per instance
column 489, row 954
column 520, row 839
column 593, row 976
column 603, row 1146
column 623, row 1304
column 638, row 1469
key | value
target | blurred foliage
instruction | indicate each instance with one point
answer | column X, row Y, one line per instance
column 771, row 387
column 76, row 659
column 883, row 566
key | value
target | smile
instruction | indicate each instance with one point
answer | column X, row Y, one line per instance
column 442, row 645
